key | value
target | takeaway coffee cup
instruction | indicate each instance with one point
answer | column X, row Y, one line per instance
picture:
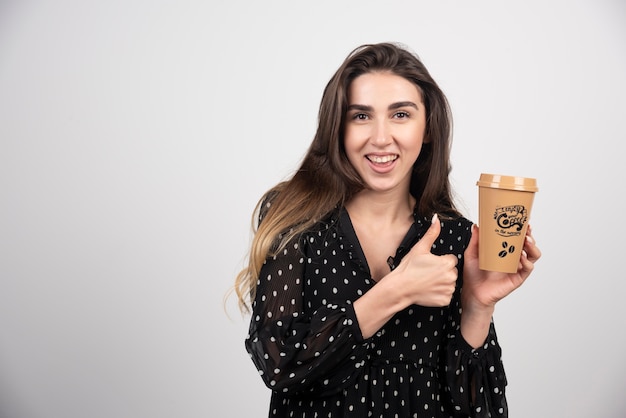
column 504, row 204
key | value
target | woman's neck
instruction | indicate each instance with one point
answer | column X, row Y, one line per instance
column 381, row 208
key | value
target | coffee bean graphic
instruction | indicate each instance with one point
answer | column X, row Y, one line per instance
column 503, row 253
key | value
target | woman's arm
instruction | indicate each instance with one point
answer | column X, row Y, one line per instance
column 483, row 289
column 294, row 349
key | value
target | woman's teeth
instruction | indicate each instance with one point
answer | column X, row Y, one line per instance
column 381, row 159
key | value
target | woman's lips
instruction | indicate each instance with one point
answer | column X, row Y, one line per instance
column 382, row 163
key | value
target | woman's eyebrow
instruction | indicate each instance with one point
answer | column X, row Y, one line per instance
column 397, row 105
column 363, row 108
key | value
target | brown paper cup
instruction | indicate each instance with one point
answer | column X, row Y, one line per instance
column 504, row 204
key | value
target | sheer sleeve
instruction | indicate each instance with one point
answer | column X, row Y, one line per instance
column 476, row 380
column 295, row 350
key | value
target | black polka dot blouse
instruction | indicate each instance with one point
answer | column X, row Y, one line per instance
column 305, row 340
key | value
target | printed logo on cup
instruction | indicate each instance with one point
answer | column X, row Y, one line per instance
column 510, row 220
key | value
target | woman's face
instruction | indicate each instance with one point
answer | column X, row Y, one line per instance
column 385, row 124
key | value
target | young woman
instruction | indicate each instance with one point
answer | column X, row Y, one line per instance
column 363, row 281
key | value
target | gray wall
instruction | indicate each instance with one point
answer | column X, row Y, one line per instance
column 136, row 137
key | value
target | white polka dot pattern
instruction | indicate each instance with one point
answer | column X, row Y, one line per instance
column 306, row 343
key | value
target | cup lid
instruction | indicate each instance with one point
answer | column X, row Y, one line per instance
column 498, row 181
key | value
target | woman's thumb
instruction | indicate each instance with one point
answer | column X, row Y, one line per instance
column 425, row 244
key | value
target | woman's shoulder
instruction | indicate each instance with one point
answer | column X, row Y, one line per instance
column 265, row 203
column 306, row 227
column 457, row 225
column 460, row 221
column 459, row 231
column 327, row 222
column 452, row 219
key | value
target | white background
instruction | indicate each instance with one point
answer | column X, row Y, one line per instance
column 136, row 137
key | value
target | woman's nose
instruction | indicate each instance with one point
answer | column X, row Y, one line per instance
column 381, row 135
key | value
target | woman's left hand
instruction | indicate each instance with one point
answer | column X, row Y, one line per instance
column 483, row 289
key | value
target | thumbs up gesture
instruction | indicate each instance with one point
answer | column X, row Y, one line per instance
column 430, row 279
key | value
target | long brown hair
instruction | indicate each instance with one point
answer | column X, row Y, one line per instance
column 326, row 179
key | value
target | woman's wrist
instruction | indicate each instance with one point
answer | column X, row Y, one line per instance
column 475, row 323
column 378, row 305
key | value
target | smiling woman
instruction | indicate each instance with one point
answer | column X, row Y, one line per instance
column 356, row 269
column 384, row 130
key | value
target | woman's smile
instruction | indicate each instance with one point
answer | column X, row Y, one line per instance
column 382, row 163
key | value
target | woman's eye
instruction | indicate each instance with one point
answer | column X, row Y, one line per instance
column 359, row 116
column 401, row 115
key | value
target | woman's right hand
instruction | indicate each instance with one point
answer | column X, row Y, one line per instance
column 421, row 278
column 428, row 279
